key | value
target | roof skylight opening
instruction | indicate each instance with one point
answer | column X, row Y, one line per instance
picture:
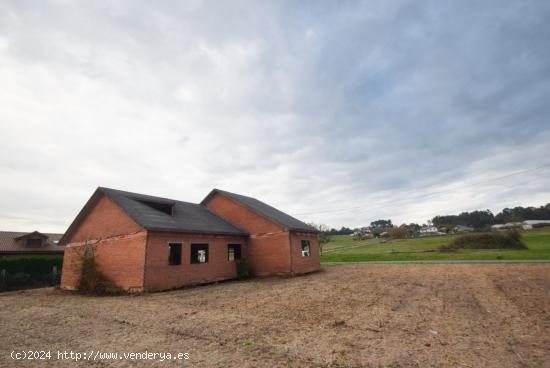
column 166, row 208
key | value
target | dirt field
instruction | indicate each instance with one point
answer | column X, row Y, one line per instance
column 345, row 316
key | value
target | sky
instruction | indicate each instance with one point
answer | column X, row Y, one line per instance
column 339, row 113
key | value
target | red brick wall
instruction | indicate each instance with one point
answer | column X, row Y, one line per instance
column 118, row 243
column 120, row 259
column 70, row 274
column 104, row 220
column 302, row 264
column 269, row 254
column 134, row 258
column 160, row 275
column 268, row 248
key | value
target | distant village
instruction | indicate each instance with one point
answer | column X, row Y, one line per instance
column 521, row 218
column 370, row 232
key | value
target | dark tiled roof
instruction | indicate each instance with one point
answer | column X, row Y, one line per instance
column 184, row 216
column 8, row 243
column 265, row 210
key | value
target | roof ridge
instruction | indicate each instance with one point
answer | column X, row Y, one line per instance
column 185, row 216
column 126, row 193
column 28, row 232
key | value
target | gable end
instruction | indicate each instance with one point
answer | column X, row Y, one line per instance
column 262, row 209
column 86, row 210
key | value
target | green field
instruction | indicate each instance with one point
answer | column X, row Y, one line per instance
column 343, row 248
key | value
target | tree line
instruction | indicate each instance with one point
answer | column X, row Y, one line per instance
column 478, row 219
column 484, row 219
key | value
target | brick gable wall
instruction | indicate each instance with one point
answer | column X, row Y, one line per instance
column 268, row 245
column 106, row 219
column 301, row 264
column 118, row 244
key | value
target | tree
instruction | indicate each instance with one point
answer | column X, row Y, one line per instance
column 322, row 237
column 413, row 229
column 484, row 219
column 475, row 219
column 343, row 231
column 380, row 226
column 398, row 232
column 376, row 231
column 384, row 224
column 518, row 214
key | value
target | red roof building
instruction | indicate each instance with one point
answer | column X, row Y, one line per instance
column 21, row 243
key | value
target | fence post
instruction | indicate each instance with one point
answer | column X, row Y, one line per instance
column 3, row 283
column 54, row 275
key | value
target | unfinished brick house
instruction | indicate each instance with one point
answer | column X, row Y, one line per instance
column 142, row 242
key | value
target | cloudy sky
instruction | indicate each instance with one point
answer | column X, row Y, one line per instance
column 337, row 112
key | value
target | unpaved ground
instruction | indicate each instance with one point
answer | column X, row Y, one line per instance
column 345, row 316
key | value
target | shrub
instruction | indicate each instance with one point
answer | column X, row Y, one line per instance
column 244, row 269
column 398, row 232
column 93, row 281
column 515, row 234
column 20, row 279
column 22, row 272
column 492, row 240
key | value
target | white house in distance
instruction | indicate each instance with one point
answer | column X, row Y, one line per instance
column 430, row 230
column 526, row 225
column 508, row 225
column 363, row 233
column 462, row 229
column 531, row 224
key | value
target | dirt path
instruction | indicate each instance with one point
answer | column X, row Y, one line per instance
column 357, row 315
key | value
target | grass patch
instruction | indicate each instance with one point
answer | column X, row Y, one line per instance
column 343, row 249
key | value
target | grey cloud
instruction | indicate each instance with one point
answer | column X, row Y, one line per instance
column 311, row 106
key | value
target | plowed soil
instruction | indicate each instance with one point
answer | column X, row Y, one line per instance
column 344, row 316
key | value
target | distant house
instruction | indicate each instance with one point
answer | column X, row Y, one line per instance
column 428, row 230
column 462, row 229
column 363, row 233
column 508, row 225
column 445, row 229
column 532, row 224
column 141, row 242
column 21, row 243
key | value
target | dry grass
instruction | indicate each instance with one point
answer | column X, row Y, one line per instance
column 345, row 316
